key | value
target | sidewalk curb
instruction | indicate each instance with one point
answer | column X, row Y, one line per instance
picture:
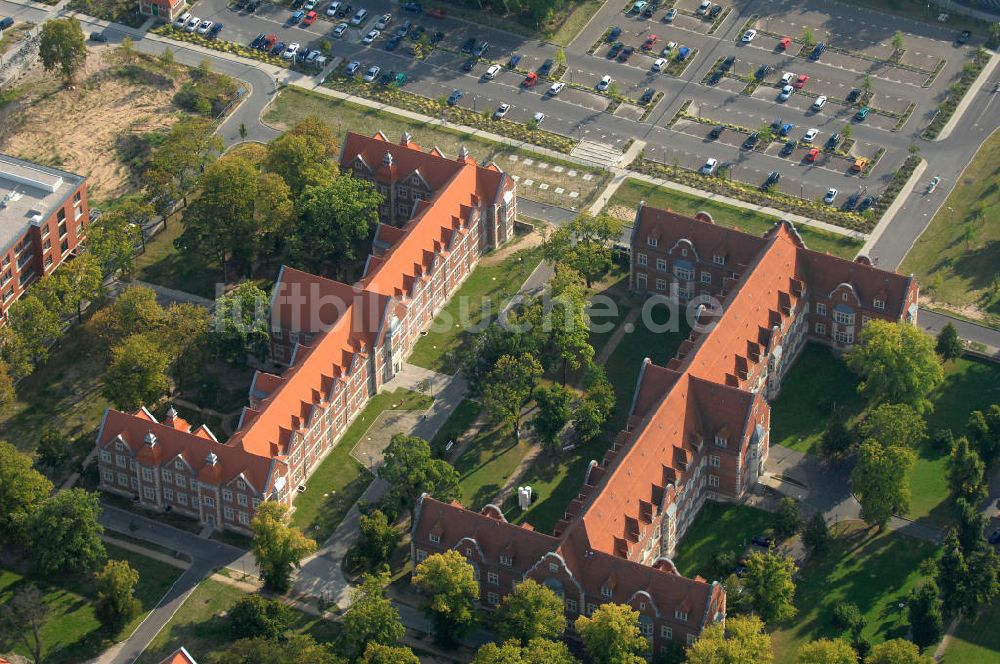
column 974, row 89
column 890, row 213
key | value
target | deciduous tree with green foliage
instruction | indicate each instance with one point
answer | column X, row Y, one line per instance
column 277, row 547
column 53, row 448
column 924, row 611
column 134, row 311
column 137, row 375
column 894, row 425
column 611, row 635
column 22, row 491
column 22, row 619
column 187, row 149
column 508, row 387
column 372, row 618
column 584, row 244
column 837, row 439
column 538, row 651
column 970, row 526
column 450, row 591
column 897, row 651
column 897, row 364
column 949, row 345
column 304, row 155
column 292, row 649
column 35, row 325
column 787, row 519
column 410, row 470
column 116, row 604
column 741, row 639
column 816, row 536
column 61, row 47
column 112, row 241
column 14, row 353
column 967, row 579
column 64, row 534
column 881, row 483
column 984, row 433
column 769, row 585
column 255, row 616
column 377, row 539
column 553, row 412
column 377, row 653
column 827, row 651
column 241, row 327
column 966, row 473
column 530, row 611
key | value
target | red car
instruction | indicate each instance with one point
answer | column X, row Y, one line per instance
column 309, row 19
column 784, row 43
column 530, row 80
column 648, row 44
column 271, row 40
column 813, row 154
column 800, row 82
column 434, row 12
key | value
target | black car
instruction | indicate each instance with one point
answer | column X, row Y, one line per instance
column 258, row 40
column 98, row 37
column 215, row 30
column 788, row 148
column 853, row 95
column 469, row 64
column 714, row 11
column 455, row 96
column 772, row 179
column 868, row 202
column 437, row 37
column 728, row 62
column 546, row 67
column 297, row 3
column 762, row 71
column 832, row 142
column 468, row 45
column 278, row 48
column 817, row 51
column 994, row 537
column 413, row 7
column 963, row 37
column 344, row 9
column 481, row 49
column 751, row 141
column 393, row 43
column 241, row 4
column 614, row 33
column 626, row 53
column 386, row 77
column 648, row 11
column 851, row 202
column 762, row 540
column 615, row 49
column 716, row 132
column 647, row 96
column 715, row 77
column 252, row 6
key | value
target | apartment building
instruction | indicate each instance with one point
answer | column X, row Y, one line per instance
column 43, row 217
column 698, row 427
column 340, row 343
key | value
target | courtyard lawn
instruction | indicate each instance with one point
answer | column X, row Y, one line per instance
column 718, row 528
column 165, row 265
column 487, row 462
column 978, row 641
column 874, row 571
column 446, row 343
column 819, row 380
column 339, row 480
column 72, row 632
column 200, row 625
column 956, row 258
column 458, row 423
column 749, row 221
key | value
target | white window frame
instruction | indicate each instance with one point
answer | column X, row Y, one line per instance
column 641, row 259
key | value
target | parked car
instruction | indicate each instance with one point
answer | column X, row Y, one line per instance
column 682, row 53
column 480, row 50
column 670, row 15
column 728, row 63
column 538, row 118
column 331, row 11
column 258, row 41
column 853, row 95
column 296, row 17
column 715, row 11
column 344, row 9
column 270, row 41
column 716, row 132
column 831, row 194
column 515, row 58
column 181, row 21
column 556, row 88
column 491, row 72
column 352, row 68
column 310, row 18
column 932, row 185
column 455, row 96
column 748, row 36
column 383, row 21
column 762, row 540
column 817, row 51
column 613, row 33
column 278, row 48
column 786, row 129
column 862, row 113
column 813, row 154
column 859, row 164
column 772, row 179
column 372, row 73
column 340, row 30
column 359, row 16
column 393, row 43
column 715, row 77
column 193, row 24
column 214, row 31
column 291, row 51
column 668, row 49
column 751, row 141
column 819, row 102
column 615, row 49
column 530, row 80
column 647, row 96
column 650, row 40
column 310, row 5
column 801, row 81
column 404, row 29
column 413, row 7
column 501, row 111
column 867, row 202
column 963, row 37
column 626, row 54
column 851, row 202
column 784, row 43
column 810, row 135
column 703, row 7
column 311, row 57
column 468, row 45
column 709, row 166
column 546, row 67
column 98, row 37
column 469, row 64
column 788, row 148
column 762, row 72
column 370, row 37
column 252, row 6
column 994, row 537
column 787, row 78
column 659, row 64
column 604, row 83
column 785, row 93
column 832, row 142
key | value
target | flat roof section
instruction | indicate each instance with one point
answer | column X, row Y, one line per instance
column 29, row 193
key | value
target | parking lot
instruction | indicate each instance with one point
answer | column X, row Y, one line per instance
column 901, row 89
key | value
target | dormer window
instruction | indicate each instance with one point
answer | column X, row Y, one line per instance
column 684, row 252
column 605, row 592
column 720, row 441
column 879, row 304
column 553, row 567
column 680, row 615
column 652, row 241
column 719, row 259
column 435, row 539
column 506, row 561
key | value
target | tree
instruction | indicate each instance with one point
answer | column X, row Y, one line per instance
column 53, row 448
column 254, row 616
column 611, row 635
column 827, row 651
column 126, row 51
column 293, row 649
column 14, row 353
column 952, row 574
column 305, row 155
column 553, row 412
column 788, row 520
column 769, row 586
column 35, row 325
column 848, row 617
column 116, row 604
column 816, row 536
column 807, row 38
column 847, row 131
column 372, row 618
column 984, row 433
column 137, row 375
column 837, row 439
column 61, row 47
column 894, row 425
column 334, row 220
column 410, row 471
column 741, row 639
column 531, row 611
column 560, row 57
column 22, row 619
column 584, row 244
column 971, row 525
column 949, row 346
column 377, row 653
column 880, row 481
column 967, row 578
column 79, row 280
column 64, row 534
column 22, row 490
column 596, row 406
column 538, row 651
column 897, row 364
column 924, row 608
column 897, row 651
column 377, row 539
column 277, row 547
column 186, row 150
column 134, row 311
column 897, row 41
column 966, row 473
column 451, row 591
column 241, row 325
column 7, row 392
column 495, row 342
column 508, row 387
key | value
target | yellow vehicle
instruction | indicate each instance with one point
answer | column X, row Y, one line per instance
column 860, row 164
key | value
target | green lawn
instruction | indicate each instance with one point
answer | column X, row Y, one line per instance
column 819, row 380
column 956, row 259
column 487, row 462
column 164, row 264
column 718, row 528
column 458, row 422
column 976, row 642
column 201, row 628
column 339, row 480
column 444, row 346
column 750, row 221
column 72, row 632
column 577, row 18
column 875, row 572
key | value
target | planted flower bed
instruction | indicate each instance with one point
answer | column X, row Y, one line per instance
column 170, row 31
column 956, row 92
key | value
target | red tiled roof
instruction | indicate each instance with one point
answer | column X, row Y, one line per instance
column 180, row 656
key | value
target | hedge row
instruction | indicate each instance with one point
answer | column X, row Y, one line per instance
column 170, row 31
column 955, row 94
column 899, row 178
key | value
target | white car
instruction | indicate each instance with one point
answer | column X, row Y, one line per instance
column 786, row 92
column 748, row 36
column 291, row 51
column 539, row 117
column 352, row 68
column 491, row 72
column 383, row 21
column 831, row 194
column 604, row 83
column 309, row 6
column 193, row 24
column 182, row 20
column 810, row 135
column 819, row 103
column 370, row 37
column 501, row 111
column 340, row 30
column 556, row 88
column 372, row 73
column 659, row 64
column 668, row 48
column 709, row 166
column 932, row 185
column 787, row 78
column 205, row 27
column 332, row 9
column 703, row 7
column 359, row 17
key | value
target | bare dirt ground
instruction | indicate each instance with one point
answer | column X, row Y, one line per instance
column 77, row 129
column 528, row 241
